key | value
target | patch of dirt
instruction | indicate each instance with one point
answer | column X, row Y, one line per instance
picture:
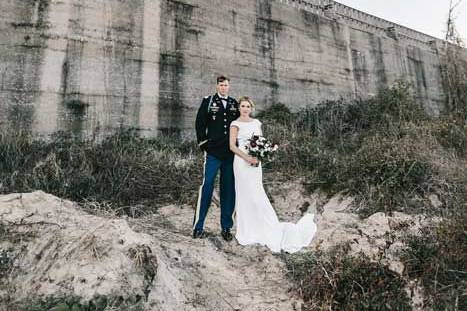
column 49, row 247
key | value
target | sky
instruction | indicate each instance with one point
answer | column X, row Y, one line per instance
column 427, row 16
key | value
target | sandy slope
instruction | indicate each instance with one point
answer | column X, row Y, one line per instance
column 152, row 262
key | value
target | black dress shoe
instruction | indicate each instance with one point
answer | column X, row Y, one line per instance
column 198, row 234
column 226, row 235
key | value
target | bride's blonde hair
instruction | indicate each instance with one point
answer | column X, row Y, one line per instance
column 248, row 100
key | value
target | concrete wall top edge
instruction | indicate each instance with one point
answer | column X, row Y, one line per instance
column 334, row 9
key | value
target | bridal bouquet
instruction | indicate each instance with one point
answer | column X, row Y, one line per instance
column 261, row 148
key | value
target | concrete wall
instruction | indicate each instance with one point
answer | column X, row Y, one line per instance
column 94, row 65
column 79, row 65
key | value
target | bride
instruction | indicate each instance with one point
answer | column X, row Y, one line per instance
column 256, row 220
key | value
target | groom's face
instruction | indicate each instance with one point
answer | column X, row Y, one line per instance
column 223, row 87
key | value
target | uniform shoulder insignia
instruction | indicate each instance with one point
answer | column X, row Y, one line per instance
column 206, row 97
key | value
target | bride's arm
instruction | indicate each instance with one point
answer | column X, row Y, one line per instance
column 235, row 149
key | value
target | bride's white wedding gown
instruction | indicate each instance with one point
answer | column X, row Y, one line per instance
column 256, row 220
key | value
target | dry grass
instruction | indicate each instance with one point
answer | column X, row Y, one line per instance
column 126, row 173
column 391, row 156
column 438, row 258
column 335, row 281
column 385, row 151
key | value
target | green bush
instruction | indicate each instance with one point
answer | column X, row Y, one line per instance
column 339, row 282
column 278, row 112
column 340, row 124
column 396, row 170
column 385, row 151
column 451, row 132
column 333, row 123
column 391, row 156
column 438, row 257
column 123, row 169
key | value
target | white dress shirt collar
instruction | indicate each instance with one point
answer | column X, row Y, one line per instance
column 222, row 97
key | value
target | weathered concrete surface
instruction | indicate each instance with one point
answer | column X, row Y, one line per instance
column 79, row 65
column 90, row 66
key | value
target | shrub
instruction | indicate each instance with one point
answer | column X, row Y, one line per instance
column 438, row 257
column 278, row 112
column 339, row 282
column 385, row 151
column 123, row 169
column 451, row 133
column 396, row 170
column 337, row 123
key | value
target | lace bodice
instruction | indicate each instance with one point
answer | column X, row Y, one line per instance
column 246, row 130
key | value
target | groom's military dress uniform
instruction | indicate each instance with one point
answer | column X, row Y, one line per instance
column 212, row 131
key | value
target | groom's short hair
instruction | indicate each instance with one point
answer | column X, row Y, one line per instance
column 222, row 79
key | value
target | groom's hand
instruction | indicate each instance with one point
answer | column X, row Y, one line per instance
column 203, row 145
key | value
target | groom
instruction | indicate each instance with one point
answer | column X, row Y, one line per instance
column 215, row 114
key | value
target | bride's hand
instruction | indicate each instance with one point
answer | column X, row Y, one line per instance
column 253, row 161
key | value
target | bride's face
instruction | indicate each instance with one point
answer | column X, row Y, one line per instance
column 245, row 109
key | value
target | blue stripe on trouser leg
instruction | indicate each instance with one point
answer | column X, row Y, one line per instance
column 211, row 167
column 227, row 195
